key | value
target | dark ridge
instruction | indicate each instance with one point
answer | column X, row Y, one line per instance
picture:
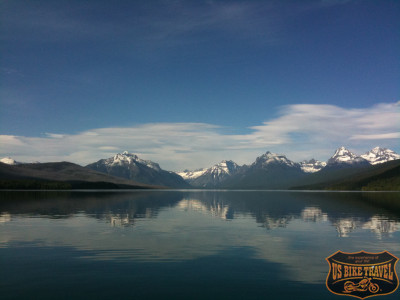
column 61, row 175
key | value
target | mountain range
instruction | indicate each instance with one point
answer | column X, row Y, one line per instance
column 276, row 171
column 268, row 171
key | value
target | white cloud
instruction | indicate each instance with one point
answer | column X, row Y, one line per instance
column 300, row 131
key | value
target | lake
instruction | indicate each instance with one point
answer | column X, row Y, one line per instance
column 186, row 244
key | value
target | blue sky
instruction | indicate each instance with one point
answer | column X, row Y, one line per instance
column 189, row 83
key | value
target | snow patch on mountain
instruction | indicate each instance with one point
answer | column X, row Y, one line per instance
column 312, row 165
column 380, row 155
column 187, row 175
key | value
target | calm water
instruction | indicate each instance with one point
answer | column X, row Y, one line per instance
column 186, row 244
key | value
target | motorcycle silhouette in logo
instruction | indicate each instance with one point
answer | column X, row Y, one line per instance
column 364, row 285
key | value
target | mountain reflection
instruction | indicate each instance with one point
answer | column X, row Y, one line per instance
column 117, row 208
column 215, row 208
column 376, row 224
column 344, row 226
column 346, row 212
column 5, row 217
column 313, row 214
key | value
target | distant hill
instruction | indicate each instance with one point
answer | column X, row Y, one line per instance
column 378, row 177
column 60, row 175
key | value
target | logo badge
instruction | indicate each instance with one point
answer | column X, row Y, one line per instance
column 362, row 274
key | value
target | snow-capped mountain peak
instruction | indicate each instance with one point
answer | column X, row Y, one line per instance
column 380, row 155
column 211, row 177
column 9, row 161
column 344, row 156
column 225, row 167
column 130, row 166
column 273, row 158
column 312, row 165
column 127, row 158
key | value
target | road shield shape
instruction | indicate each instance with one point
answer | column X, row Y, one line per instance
column 362, row 274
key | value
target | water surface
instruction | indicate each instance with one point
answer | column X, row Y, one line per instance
column 186, row 244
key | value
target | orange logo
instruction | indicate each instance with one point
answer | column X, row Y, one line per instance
column 362, row 274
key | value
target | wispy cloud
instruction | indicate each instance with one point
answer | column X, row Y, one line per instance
column 384, row 136
column 163, row 23
column 301, row 131
column 333, row 2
